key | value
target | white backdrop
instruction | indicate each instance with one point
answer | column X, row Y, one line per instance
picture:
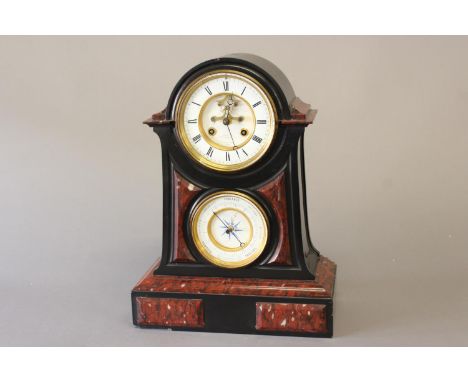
column 80, row 189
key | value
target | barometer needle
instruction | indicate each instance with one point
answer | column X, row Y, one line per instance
column 240, row 242
column 229, row 229
column 221, row 220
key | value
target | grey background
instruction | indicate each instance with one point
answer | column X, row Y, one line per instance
column 80, row 183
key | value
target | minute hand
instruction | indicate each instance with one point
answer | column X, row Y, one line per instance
column 232, row 139
column 229, row 129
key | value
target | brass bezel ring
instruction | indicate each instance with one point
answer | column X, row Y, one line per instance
column 201, row 248
column 185, row 140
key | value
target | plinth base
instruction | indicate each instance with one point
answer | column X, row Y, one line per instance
column 234, row 305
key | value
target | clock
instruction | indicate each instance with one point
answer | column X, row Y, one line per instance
column 236, row 250
column 226, row 120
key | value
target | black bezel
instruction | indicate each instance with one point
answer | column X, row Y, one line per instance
column 182, row 157
column 271, row 162
column 179, row 139
column 230, row 63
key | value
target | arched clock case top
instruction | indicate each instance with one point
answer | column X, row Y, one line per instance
column 289, row 277
column 240, row 65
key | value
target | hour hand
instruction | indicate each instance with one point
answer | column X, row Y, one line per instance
column 222, row 117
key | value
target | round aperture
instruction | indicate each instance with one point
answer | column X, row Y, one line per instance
column 226, row 120
column 230, row 229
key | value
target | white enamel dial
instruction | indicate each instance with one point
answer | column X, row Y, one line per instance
column 226, row 120
column 230, row 229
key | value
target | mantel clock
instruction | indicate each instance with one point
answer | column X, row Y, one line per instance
column 236, row 252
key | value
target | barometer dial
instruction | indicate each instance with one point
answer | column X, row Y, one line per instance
column 230, row 229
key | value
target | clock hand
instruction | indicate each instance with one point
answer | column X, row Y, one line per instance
column 221, row 117
column 232, row 139
column 226, row 122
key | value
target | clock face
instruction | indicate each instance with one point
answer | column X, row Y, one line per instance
column 226, row 120
column 229, row 229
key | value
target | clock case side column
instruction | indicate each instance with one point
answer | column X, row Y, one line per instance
column 164, row 133
column 305, row 254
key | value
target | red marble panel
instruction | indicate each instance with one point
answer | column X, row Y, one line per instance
column 183, row 193
column 326, row 273
column 169, row 312
column 286, row 317
column 322, row 286
column 275, row 193
column 158, row 119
